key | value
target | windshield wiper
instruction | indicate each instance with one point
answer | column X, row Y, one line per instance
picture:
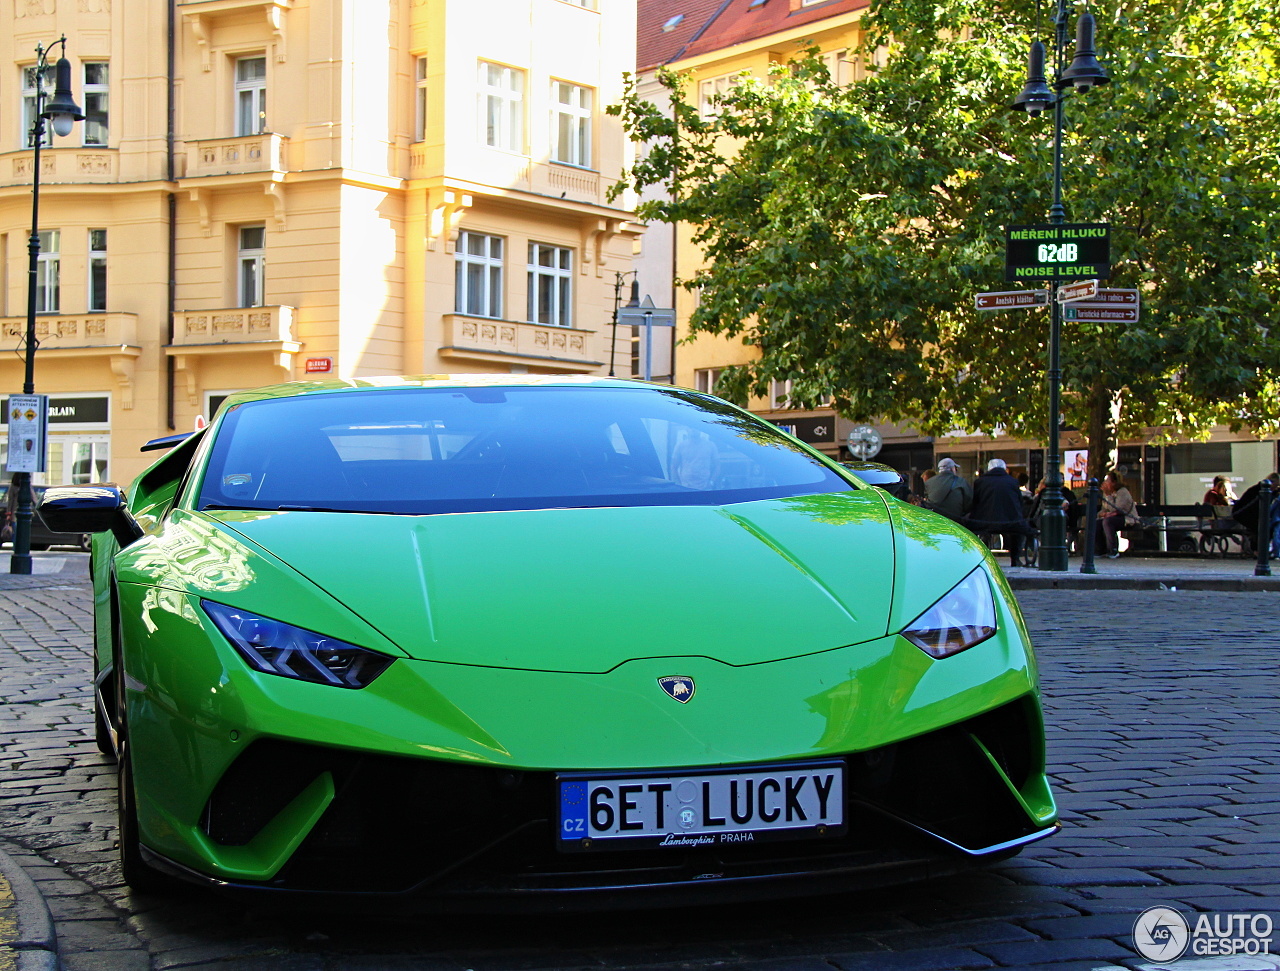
column 288, row 507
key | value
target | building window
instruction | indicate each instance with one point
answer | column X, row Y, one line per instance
column 501, row 101
column 709, row 89
column 779, row 394
column 704, row 379
column 97, row 269
column 251, row 95
column 95, row 102
column 550, row 285
column 29, row 103
column 478, row 275
column 420, row 101
column 48, row 264
column 251, row 266
column 571, row 123
column 838, row 65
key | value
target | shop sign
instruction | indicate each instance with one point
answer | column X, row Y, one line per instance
column 90, row 410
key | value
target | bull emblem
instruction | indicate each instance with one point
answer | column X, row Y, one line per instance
column 679, row 687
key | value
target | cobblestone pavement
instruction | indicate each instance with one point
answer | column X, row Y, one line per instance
column 1163, row 733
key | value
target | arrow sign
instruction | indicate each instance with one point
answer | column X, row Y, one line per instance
column 1116, row 298
column 1101, row 313
column 1075, row 292
column 1011, row 300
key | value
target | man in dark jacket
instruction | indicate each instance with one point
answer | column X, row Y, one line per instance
column 1245, row 509
column 947, row 492
column 997, row 508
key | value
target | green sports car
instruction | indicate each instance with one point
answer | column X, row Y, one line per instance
column 552, row 640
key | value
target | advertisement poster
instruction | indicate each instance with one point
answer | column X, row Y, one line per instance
column 1075, row 468
column 28, row 416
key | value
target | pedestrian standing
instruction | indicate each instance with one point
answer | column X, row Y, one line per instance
column 997, row 508
column 948, row 492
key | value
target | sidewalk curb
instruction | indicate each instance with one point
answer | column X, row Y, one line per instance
column 36, row 946
column 1087, row 581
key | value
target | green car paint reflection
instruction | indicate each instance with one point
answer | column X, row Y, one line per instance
column 529, row 629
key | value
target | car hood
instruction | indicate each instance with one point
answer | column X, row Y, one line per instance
column 585, row 590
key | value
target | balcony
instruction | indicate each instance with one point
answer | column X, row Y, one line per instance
column 112, row 337
column 60, row 165
column 248, row 154
column 266, row 332
column 511, row 342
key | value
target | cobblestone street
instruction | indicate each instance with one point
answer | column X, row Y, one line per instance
column 1163, row 732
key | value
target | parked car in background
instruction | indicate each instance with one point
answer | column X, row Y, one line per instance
column 42, row 537
column 546, row 641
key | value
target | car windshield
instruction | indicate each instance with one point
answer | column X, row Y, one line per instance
column 472, row 449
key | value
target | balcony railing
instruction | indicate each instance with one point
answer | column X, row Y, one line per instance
column 88, row 164
column 233, row 325
column 515, row 342
column 236, row 156
column 79, row 334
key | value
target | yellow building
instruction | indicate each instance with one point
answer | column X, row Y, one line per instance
column 269, row 189
column 714, row 45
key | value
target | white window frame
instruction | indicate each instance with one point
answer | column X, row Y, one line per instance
column 779, row 393
column 554, row 279
column 500, row 106
column 251, row 267
column 250, row 93
column 842, row 69
column 420, row 98
column 709, row 88
column 48, row 272
column 94, row 132
column 29, row 103
column 571, row 123
column 489, row 267
column 97, row 293
column 705, row 378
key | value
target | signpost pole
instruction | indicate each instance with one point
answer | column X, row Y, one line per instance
column 1053, row 521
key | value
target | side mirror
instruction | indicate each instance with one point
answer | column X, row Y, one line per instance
column 881, row 476
column 89, row 509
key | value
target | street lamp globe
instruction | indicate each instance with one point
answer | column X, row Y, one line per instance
column 62, row 110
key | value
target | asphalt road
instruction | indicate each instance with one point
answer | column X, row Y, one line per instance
column 1163, row 731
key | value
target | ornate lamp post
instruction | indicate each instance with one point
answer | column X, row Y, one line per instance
column 61, row 112
column 1038, row 96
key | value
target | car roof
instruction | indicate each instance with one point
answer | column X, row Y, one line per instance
column 291, row 389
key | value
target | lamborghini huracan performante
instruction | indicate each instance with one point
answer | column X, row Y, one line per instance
column 552, row 640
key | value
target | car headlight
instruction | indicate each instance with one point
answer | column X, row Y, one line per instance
column 963, row 617
column 273, row 647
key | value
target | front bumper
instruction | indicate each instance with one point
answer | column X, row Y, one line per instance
column 472, row 837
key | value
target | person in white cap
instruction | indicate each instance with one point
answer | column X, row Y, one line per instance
column 997, row 508
column 948, row 492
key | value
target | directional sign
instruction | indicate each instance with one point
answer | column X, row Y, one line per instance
column 1011, row 300
column 1116, row 298
column 1107, row 307
column 1101, row 314
column 1075, row 292
column 1070, row 251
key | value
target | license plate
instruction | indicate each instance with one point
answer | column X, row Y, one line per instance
column 712, row 807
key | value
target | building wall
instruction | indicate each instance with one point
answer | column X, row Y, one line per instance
column 359, row 217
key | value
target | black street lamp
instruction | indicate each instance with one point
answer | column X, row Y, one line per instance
column 1037, row 96
column 618, row 277
column 62, row 112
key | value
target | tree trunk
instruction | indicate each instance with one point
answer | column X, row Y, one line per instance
column 1104, row 414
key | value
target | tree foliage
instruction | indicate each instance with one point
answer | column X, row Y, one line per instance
column 847, row 229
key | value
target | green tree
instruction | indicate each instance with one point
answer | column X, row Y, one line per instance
column 847, row 229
